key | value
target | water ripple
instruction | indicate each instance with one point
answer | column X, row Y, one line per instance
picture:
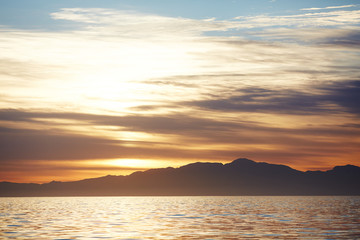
column 180, row 218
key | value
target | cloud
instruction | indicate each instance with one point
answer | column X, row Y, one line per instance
column 263, row 100
column 62, row 166
column 128, row 50
column 109, row 22
column 135, row 24
column 319, row 19
column 345, row 94
column 18, row 144
column 324, row 37
column 330, row 7
column 350, row 39
column 201, row 136
column 35, row 145
column 133, row 85
column 167, row 124
column 333, row 98
column 187, row 137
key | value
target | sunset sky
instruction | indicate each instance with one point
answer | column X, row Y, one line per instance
column 90, row 88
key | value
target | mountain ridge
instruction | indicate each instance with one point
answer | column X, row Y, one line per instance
column 239, row 177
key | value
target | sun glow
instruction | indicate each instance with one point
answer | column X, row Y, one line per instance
column 137, row 163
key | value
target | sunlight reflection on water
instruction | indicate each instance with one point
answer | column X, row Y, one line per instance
column 180, row 217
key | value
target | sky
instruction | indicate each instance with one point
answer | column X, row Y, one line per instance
column 90, row 88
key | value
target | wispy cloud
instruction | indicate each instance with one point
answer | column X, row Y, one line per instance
column 330, row 7
column 333, row 98
column 185, row 136
column 317, row 19
column 337, row 38
column 134, row 24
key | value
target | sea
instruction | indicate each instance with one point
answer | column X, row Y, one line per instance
column 235, row 217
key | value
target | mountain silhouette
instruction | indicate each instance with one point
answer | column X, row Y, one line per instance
column 240, row 177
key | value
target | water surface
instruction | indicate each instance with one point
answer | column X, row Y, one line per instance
column 180, row 218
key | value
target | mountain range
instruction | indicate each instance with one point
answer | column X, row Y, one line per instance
column 240, row 177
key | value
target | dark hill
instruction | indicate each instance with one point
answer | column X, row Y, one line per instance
column 240, row 177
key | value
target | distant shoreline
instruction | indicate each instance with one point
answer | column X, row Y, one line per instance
column 242, row 177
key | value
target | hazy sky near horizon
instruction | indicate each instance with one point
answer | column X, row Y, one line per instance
column 90, row 88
